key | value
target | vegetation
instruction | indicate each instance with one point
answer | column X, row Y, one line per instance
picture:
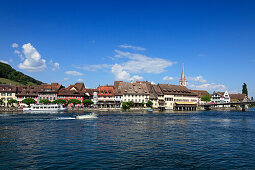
column 251, row 98
column 1, row 102
column 28, row 101
column 206, row 98
column 60, row 101
column 149, row 104
column 127, row 105
column 87, row 102
column 244, row 90
column 7, row 72
column 74, row 102
column 45, row 101
column 12, row 101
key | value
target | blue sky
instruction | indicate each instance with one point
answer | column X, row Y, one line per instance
column 98, row 42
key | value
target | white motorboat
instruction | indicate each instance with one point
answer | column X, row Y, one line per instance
column 45, row 108
column 90, row 116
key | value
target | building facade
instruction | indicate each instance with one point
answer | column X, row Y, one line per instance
column 49, row 91
column 7, row 92
column 24, row 92
column 220, row 97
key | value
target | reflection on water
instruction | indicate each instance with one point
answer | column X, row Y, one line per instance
column 115, row 140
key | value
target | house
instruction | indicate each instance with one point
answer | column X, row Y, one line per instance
column 200, row 93
column 178, row 97
column 49, row 91
column 24, row 92
column 7, row 92
column 157, row 97
column 76, row 91
column 220, row 97
column 106, row 97
column 137, row 92
column 238, row 97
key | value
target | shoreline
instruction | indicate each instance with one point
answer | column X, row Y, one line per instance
column 103, row 110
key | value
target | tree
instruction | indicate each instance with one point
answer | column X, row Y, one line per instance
column 1, row 102
column 149, row 104
column 74, row 102
column 206, row 98
column 244, row 90
column 28, row 101
column 127, row 105
column 87, row 102
column 12, row 101
column 60, row 101
column 45, row 101
column 251, row 98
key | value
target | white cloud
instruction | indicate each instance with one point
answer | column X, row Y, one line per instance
column 73, row 73
column 80, row 80
column 152, row 82
column 16, row 52
column 15, row 45
column 66, row 79
column 19, row 54
column 94, row 67
column 136, row 77
column 209, row 86
column 33, row 61
column 126, row 46
column 3, row 61
column 167, row 78
column 54, row 65
column 120, row 74
column 139, row 63
column 198, row 79
column 11, row 60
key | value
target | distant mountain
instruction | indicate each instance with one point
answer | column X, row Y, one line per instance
column 8, row 75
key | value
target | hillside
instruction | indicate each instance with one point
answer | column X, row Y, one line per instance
column 8, row 75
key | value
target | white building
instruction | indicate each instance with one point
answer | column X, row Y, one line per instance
column 220, row 97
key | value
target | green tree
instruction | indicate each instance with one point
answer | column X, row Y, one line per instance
column 149, row 104
column 45, row 101
column 127, row 105
column 244, row 90
column 206, row 98
column 1, row 102
column 28, row 101
column 74, row 102
column 60, row 101
column 12, row 101
column 251, row 98
column 87, row 102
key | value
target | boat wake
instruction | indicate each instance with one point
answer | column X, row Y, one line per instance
column 90, row 116
column 64, row 118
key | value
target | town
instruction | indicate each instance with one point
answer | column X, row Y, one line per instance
column 139, row 94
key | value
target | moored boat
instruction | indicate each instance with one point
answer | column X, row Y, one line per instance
column 45, row 108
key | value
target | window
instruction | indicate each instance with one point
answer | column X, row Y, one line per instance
column 3, row 94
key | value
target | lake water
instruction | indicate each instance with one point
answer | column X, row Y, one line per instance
column 211, row 139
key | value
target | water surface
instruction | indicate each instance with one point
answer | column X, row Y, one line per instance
column 212, row 139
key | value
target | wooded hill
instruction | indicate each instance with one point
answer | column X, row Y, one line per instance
column 8, row 75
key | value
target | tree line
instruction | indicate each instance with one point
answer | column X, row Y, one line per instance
column 6, row 71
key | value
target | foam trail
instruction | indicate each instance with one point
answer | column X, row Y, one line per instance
column 64, row 118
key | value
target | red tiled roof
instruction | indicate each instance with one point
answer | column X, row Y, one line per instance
column 105, row 91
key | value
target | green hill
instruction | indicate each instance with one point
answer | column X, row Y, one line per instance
column 8, row 75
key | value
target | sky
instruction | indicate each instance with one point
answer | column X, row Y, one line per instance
column 97, row 42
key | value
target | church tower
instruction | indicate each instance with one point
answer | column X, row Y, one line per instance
column 183, row 81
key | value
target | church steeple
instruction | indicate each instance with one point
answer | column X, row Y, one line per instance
column 183, row 81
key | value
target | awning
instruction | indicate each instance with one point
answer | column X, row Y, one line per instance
column 187, row 103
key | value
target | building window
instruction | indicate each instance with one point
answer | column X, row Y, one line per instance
column 3, row 94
